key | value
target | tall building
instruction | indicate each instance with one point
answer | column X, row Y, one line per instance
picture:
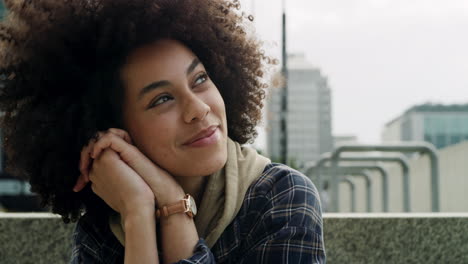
column 309, row 114
column 441, row 125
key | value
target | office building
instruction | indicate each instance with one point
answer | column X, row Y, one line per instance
column 309, row 114
column 441, row 125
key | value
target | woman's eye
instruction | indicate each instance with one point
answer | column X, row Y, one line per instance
column 161, row 100
column 201, row 79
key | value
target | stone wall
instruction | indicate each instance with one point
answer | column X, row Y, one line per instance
column 349, row 238
column 396, row 238
column 34, row 238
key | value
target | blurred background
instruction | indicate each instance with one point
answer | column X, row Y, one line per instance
column 370, row 73
column 15, row 194
column 360, row 73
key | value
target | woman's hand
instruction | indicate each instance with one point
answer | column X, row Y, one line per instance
column 86, row 160
column 127, row 193
column 164, row 187
column 119, row 185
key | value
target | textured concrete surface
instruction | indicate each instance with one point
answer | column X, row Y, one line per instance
column 34, row 238
column 396, row 238
column 349, row 238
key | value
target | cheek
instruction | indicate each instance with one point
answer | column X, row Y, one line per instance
column 155, row 138
column 217, row 104
column 157, row 146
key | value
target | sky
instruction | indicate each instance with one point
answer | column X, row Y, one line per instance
column 380, row 56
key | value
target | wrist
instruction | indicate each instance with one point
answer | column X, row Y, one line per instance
column 170, row 197
column 185, row 207
column 138, row 210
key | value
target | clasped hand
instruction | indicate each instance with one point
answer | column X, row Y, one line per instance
column 122, row 175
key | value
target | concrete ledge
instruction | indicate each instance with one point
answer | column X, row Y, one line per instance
column 349, row 238
column 396, row 238
column 395, row 215
column 34, row 238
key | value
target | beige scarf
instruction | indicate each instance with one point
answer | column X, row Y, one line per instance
column 223, row 195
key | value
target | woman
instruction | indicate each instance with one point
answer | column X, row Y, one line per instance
column 127, row 115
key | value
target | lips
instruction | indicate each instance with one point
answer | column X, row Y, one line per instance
column 207, row 132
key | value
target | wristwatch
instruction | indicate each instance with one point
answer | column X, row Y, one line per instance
column 186, row 205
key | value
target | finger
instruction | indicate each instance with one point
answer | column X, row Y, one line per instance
column 80, row 183
column 121, row 133
column 112, row 141
column 128, row 153
column 85, row 160
column 98, row 135
column 85, row 157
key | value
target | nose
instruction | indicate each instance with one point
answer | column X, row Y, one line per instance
column 195, row 109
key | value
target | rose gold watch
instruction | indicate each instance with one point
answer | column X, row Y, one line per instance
column 186, row 205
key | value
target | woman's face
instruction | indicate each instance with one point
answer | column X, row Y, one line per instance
column 173, row 111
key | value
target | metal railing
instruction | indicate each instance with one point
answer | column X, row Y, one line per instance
column 352, row 187
column 401, row 159
column 422, row 147
column 359, row 170
column 368, row 181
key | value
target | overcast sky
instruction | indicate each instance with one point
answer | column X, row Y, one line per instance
column 381, row 56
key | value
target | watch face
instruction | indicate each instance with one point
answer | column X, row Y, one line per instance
column 193, row 206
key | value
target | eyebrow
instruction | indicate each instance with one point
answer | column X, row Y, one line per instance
column 192, row 66
column 152, row 86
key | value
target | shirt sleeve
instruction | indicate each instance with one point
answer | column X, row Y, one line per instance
column 288, row 228
column 202, row 254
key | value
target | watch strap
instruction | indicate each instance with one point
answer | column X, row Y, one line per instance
column 171, row 209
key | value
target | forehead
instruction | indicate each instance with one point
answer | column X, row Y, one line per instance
column 161, row 58
column 160, row 49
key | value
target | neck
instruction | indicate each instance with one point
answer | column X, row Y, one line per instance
column 195, row 186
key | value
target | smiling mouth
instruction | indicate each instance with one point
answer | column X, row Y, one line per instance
column 205, row 137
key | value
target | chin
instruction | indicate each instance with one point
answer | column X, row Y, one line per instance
column 198, row 162
column 212, row 165
column 206, row 166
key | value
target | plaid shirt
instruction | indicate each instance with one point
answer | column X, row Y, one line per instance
column 280, row 222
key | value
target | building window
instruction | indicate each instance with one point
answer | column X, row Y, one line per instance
column 455, row 138
column 428, row 138
column 441, row 140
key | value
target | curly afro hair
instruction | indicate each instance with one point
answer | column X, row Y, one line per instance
column 60, row 83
